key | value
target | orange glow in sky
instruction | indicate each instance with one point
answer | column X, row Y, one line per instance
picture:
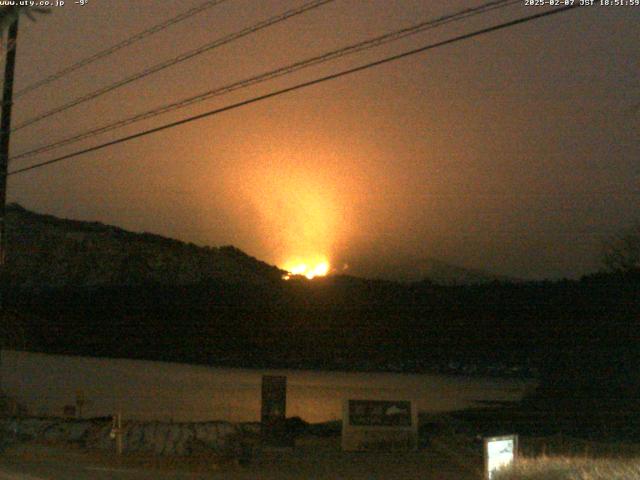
column 296, row 209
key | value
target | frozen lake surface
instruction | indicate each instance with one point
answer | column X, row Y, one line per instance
column 148, row 390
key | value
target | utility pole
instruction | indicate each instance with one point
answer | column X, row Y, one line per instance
column 5, row 133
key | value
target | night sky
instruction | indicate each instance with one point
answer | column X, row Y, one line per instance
column 517, row 152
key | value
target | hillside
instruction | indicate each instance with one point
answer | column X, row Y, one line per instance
column 410, row 269
column 46, row 251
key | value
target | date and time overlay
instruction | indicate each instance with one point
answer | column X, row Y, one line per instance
column 526, row 3
column 581, row 3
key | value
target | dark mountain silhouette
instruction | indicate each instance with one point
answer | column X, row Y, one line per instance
column 47, row 251
column 44, row 250
column 414, row 269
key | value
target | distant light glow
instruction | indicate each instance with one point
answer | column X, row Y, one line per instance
column 309, row 268
column 297, row 206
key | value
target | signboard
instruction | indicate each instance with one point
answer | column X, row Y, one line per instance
column 379, row 425
column 499, row 452
column 274, row 411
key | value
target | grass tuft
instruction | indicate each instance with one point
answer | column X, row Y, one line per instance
column 571, row 468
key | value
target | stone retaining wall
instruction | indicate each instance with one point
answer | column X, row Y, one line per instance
column 147, row 437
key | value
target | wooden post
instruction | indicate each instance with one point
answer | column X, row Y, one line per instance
column 80, row 401
column 116, row 432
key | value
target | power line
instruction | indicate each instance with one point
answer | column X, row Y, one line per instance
column 299, row 86
column 125, row 43
column 350, row 49
column 180, row 58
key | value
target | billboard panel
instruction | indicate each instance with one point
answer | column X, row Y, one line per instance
column 379, row 425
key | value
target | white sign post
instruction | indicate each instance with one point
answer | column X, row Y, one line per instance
column 499, row 452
